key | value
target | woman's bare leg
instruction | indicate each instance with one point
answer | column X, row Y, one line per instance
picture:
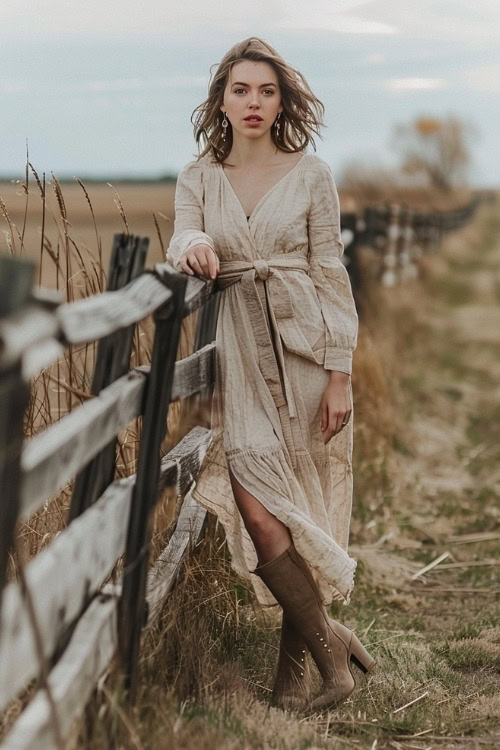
column 269, row 536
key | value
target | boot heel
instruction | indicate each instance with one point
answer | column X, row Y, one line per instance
column 360, row 656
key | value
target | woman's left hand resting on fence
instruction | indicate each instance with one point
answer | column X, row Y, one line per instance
column 200, row 260
column 336, row 405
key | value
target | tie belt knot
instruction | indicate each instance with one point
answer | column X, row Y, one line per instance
column 262, row 269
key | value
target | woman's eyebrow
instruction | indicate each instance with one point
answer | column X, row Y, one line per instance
column 240, row 83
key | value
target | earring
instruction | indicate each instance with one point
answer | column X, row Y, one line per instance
column 277, row 124
column 224, row 127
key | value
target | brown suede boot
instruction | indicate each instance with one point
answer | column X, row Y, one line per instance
column 291, row 681
column 332, row 645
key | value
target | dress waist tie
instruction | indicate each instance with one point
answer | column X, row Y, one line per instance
column 271, row 361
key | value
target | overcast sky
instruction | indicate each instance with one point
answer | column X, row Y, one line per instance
column 107, row 87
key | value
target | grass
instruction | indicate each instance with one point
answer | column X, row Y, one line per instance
column 422, row 410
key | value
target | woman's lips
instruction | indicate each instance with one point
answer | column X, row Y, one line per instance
column 252, row 122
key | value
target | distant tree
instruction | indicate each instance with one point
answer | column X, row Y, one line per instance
column 435, row 148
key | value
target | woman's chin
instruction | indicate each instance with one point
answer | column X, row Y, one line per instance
column 252, row 133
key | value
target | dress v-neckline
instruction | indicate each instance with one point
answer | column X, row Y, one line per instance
column 262, row 199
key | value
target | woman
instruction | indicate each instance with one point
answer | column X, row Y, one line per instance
column 261, row 215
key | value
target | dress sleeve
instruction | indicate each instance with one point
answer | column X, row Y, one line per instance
column 189, row 219
column 329, row 274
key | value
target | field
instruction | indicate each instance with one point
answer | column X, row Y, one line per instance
column 427, row 485
column 139, row 201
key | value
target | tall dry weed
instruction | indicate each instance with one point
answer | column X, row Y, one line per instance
column 76, row 270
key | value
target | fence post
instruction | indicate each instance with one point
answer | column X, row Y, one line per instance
column 16, row 279
column 389, row 275
column 127, row 261
column 206, row 325
column 132, row 607
column 356, row 226
column 407, row 267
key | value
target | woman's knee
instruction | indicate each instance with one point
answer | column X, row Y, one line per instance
column 261, row 525
column 258, row 522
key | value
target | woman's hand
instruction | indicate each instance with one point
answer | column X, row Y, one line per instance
column 336, row 405
column 200, row 260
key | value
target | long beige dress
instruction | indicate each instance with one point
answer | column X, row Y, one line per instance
column 287, row 317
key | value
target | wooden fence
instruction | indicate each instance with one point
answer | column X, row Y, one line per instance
column 60, row 622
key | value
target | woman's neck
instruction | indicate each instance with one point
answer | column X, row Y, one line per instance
column 247, row 151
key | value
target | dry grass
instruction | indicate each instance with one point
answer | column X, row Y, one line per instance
column 426, row 458
column 68, row 232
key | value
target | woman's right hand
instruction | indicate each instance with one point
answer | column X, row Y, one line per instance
column 200, row 260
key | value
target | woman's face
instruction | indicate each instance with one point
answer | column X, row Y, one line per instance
column 252, row 98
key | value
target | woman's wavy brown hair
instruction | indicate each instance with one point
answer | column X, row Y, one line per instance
column 302, row 111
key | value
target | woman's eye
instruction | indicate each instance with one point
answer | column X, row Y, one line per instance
column 269, row 91
column 236, row 91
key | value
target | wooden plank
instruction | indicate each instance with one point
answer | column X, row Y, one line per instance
column 183, row 463
column 197, row 292
column 94, row 642
column 40, row 356
column 194, row 373
column 47, row 298
column 163, row 574
column 23, row 329
column 98, row 316
column 61, row 578
column 53, row 457
column 66, row 573
column 71, row 681
column 94, row 317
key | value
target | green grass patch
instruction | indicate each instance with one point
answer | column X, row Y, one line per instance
column 470, row 655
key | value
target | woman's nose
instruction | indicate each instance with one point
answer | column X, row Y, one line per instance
column 255, row 100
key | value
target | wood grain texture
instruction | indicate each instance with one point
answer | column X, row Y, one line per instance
column 61, row 579
column 197, row 291
column 98, row 316
column 89, row 319
column 162, row 575
column 71, row 681
column 65, row 574
column 194, row 373
column 182, row 464
column 53, row 457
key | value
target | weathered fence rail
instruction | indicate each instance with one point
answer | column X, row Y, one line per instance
column 62, row 622
column 400, row 236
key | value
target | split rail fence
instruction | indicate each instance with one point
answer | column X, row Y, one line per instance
column 60, row 622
